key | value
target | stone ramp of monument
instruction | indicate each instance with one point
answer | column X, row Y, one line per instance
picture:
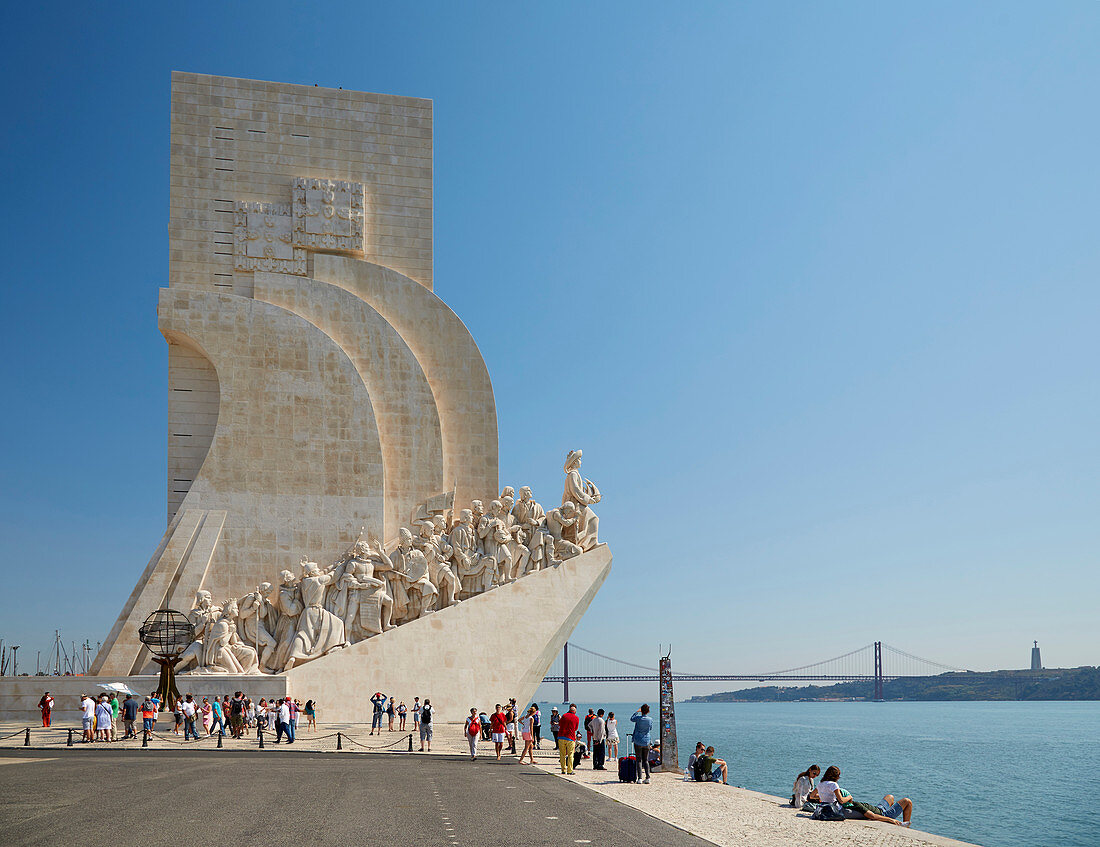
column 174, row 573
column 476, row 653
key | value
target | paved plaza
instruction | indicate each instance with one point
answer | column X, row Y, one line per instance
column 229, row 796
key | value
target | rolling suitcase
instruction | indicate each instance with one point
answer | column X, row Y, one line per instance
column 628, row 769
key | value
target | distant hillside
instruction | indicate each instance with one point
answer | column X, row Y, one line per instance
column 1054, row 684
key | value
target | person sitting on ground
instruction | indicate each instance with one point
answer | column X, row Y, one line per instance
column 897, row 812
column 705, row 768
column 700, row 749
column 655, row 755
column 804, row 790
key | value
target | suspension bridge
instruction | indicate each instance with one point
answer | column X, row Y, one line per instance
column 877, row 662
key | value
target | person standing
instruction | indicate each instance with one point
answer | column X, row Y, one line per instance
column 568, row 725
column 643, row 726
column 473, row 730
column 390, row 712
column 416, row 713
column 236, row 714
column 536, row 726
column 498, row 724
column 177, row 714
column 510, row 719
column 46, row 705
column 129, row 716
column 613, row 734
column 114, row 715
column 87, row 706
column 292, row 720
column 189, row 709
column 527, row 732
column 379, row 703
column 588, row 728
column 599, row 741
column 103, row 718
column 148, row 716
column 217, row 720
column 426, row 726
column 311, row 715
column 283, row 726
column 402, row 714
column 555, row 724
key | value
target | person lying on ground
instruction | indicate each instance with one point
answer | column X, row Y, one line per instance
column 804, row 789
column 898, row 812
column 705, row 768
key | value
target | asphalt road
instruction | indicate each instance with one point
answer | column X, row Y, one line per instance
column 277, row 797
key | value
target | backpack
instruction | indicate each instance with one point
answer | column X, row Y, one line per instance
column 827, row 812
column 426, row 715
column 474, row 728
column 697, row 770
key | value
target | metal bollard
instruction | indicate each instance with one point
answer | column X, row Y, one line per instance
column 145, row 739
column 219, row 741
column 261, row 738
column 410, row 742
column 70, row 742
column 27, row 738
column 339, row 741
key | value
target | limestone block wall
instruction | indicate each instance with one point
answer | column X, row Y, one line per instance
column 450, row 359
column 242, row 139
column 192, row 416
column 295, row 461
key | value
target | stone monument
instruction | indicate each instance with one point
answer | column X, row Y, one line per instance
column 325, row 405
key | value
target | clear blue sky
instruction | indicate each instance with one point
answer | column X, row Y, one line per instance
column 814, row 286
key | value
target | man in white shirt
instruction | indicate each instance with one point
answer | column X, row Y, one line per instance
column 189, row 710
column 284, row 722
column 87, row 705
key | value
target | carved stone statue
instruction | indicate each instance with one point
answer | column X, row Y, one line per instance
column 256, row 614
column 201, row 616
column 530, row 515
column 583, row 494
column 410, row 568
column 562, row 525
column 288, row 606
column 495, row 536
column 319, row 631
column 520, row 554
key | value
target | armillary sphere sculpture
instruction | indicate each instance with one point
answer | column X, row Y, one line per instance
column 167, row 633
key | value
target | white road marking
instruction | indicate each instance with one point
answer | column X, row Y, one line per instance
column 24, row 761
column 551, row 819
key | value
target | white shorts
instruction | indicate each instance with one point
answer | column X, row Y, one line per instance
column 500, row 738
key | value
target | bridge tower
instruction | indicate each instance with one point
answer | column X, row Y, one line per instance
column 565, row 671
column 878, row 671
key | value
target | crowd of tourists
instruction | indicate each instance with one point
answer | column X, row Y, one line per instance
column 827, row 801
column 390, row 710
column 228, row 715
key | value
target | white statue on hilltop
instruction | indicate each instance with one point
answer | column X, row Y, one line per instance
column 583, row 494
column 319, row 631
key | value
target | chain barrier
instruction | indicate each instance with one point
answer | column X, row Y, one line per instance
column 402, row 740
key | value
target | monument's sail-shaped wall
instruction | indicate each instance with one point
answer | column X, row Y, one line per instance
column 316, row 384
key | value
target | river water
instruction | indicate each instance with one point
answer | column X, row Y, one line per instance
column 996, row 774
